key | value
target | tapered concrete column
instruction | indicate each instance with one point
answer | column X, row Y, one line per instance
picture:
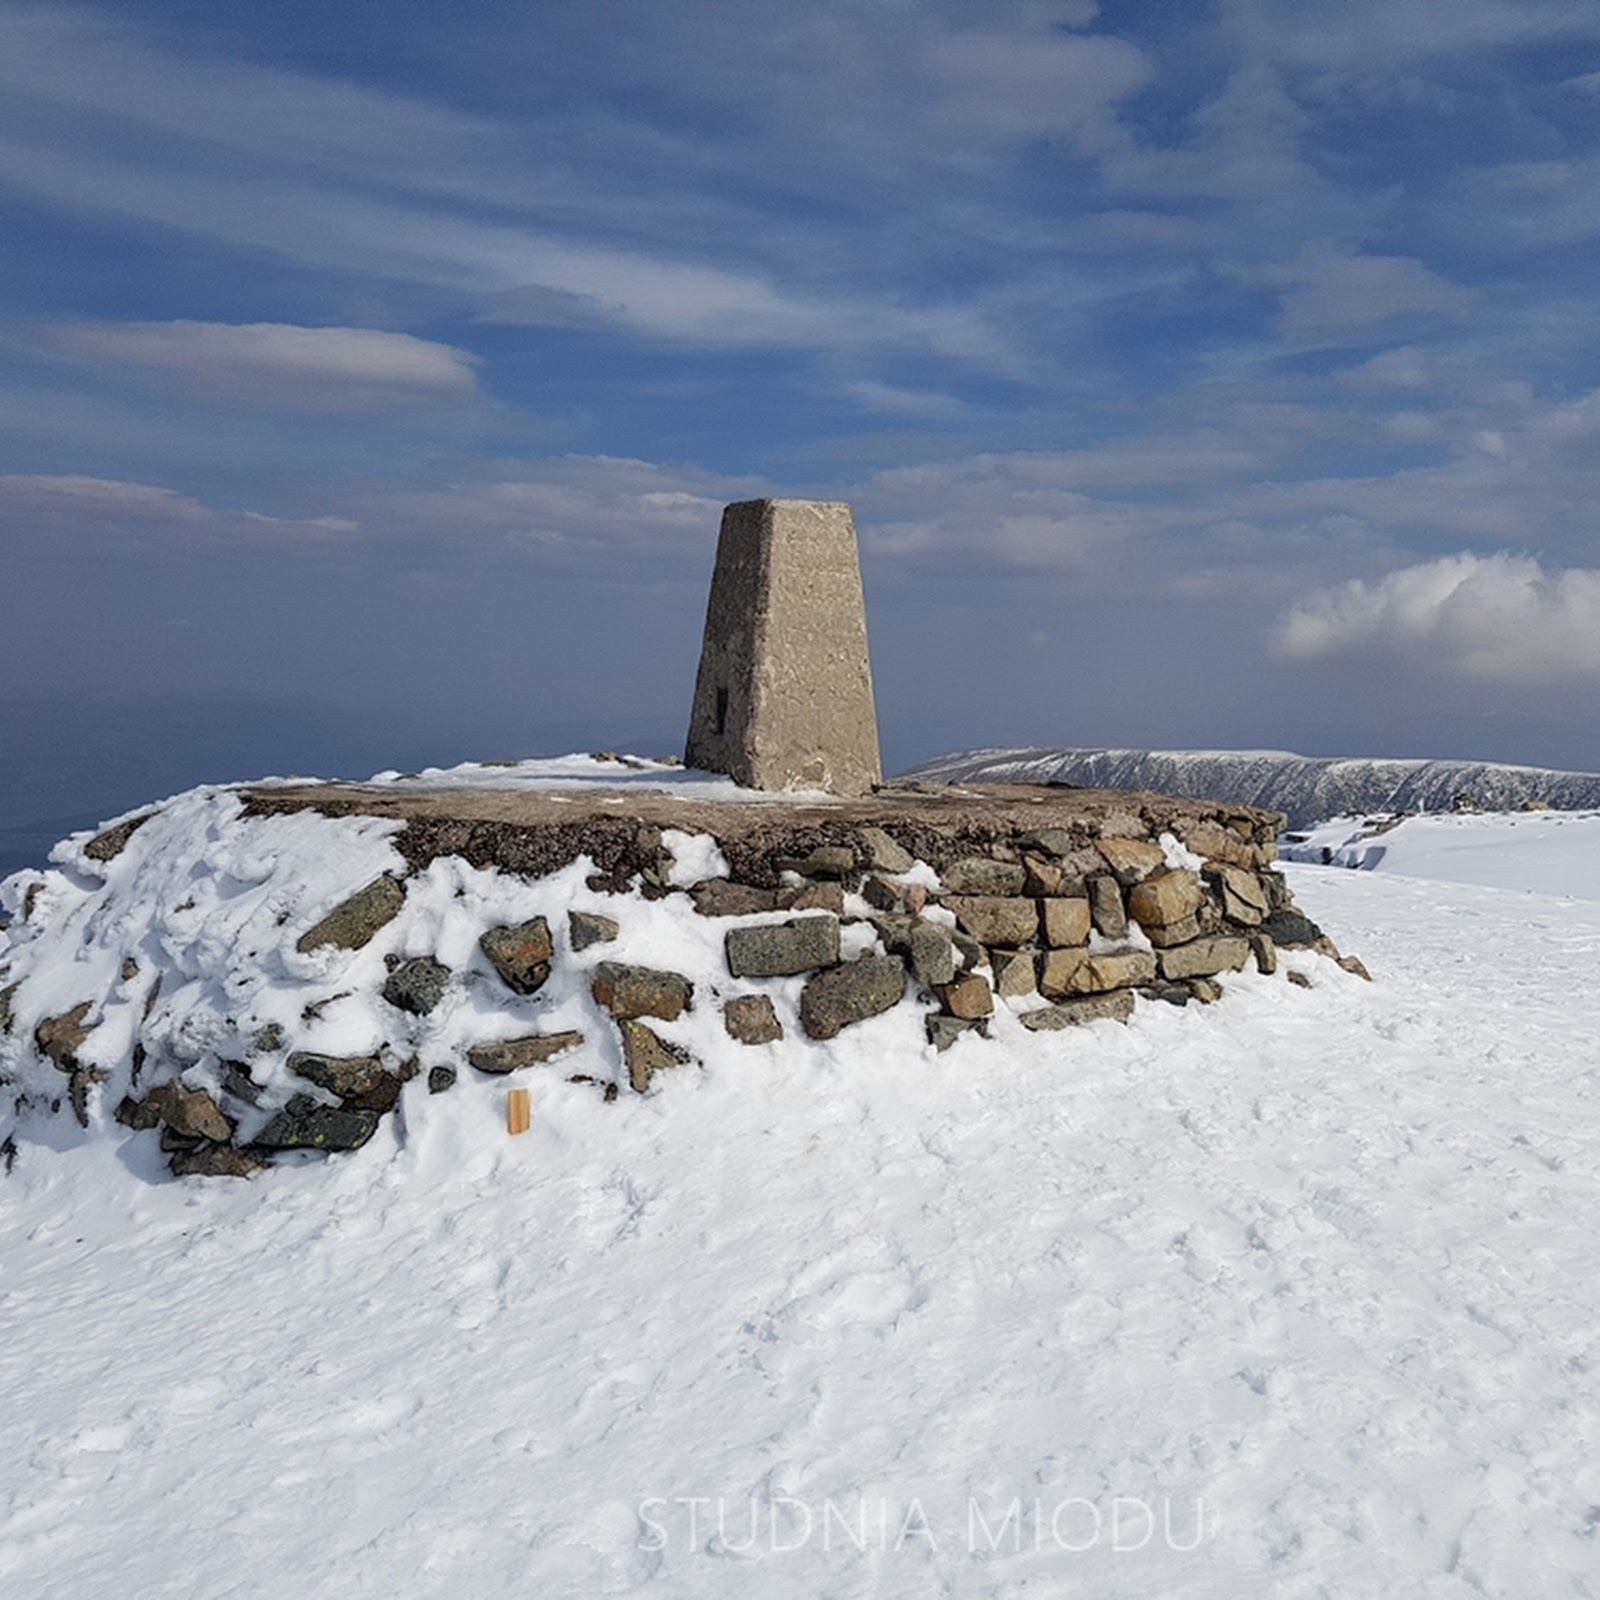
column 784, row 695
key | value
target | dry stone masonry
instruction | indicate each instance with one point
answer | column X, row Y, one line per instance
column 1057, row 908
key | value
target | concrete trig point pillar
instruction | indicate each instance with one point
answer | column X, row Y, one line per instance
column 784, row 695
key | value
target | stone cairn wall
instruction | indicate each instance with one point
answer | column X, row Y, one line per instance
column 1076, row 923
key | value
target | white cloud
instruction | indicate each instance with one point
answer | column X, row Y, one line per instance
column 928, row 404
column 1404, row 368
column 1022, row 84
column 1329, row 292
column 84, row 505
column 1380, row 34
column 106, row 497
column 280, row 365
column 1500, row 618
column 578, row 511
column 640, row 291
column 83, row 64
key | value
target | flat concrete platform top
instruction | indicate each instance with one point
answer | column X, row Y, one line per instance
column 1000, row 807
column 535, row 832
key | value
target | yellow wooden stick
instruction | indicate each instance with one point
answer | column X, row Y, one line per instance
column 517, row 1111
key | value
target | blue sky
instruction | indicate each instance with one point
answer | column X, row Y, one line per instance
column 1205, row 374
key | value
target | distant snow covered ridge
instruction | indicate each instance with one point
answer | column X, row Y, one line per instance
column 1307, row 789
column 1536, row 852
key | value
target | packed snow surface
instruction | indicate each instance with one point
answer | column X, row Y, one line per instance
column 1536, row 852
column 1305, row 788
column 1291, row 1295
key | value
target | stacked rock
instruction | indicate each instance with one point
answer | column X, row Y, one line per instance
column 969, row 911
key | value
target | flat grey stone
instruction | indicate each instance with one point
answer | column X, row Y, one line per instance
column 720, row 897
column 417, row 985
column 826, row 861
column 585, row 928
column 1005, row 920
column 1204, row 958
column 1289, row 929
column 348, row 1077
column 927, row 948
column 943, row 1031
column 1117, row 1007
column 304, row 1124
column 508, row 1055
column 1106, row 907
column 353, row 922
column 851, row 993
column 782, row 949
column 214, row 1161
column 882, row 853
column 981, row 876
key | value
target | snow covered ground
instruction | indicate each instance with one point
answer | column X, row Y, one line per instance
column 1293, row 1295
column 1531, row 852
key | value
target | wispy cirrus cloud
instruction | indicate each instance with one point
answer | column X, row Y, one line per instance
column 109, row 508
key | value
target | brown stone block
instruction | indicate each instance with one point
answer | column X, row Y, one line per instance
column 750, row 1019
column 1075, row 972
column 1016, row 972
column 1132, row 859
column 1242, row 896
column 1008, row 921
column 629, row 992
column 968, row 997
column 980, row 875
column 1174, row 933
column 1041, row 877
column 1165, row 897
column 1204, row 958
column 1064, row 922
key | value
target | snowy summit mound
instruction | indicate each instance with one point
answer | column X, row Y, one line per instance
column 1285, row 1296
column 248, row 974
